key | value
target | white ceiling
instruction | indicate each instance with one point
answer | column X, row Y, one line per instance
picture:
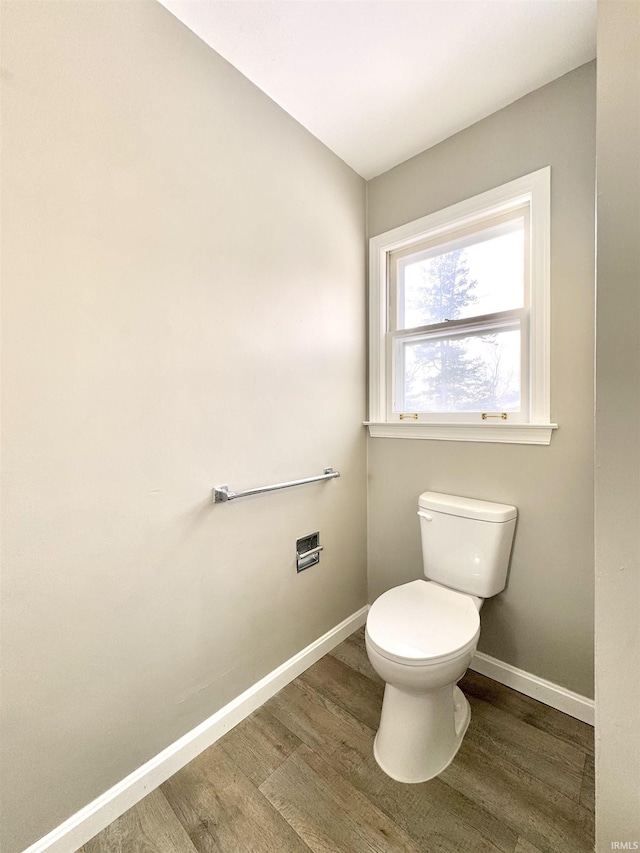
column 381, row 80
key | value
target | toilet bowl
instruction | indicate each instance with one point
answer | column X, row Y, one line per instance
column 420, row 638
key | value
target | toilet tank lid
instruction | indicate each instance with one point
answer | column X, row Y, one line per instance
column 467, row 507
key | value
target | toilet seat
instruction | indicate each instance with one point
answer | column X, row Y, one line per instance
column 420, row 623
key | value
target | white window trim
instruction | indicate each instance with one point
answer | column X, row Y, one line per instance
column 533, row 189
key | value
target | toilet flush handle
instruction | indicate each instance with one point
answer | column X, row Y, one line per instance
column 425, row 516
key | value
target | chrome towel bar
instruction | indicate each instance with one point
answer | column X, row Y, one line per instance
column 221, row 494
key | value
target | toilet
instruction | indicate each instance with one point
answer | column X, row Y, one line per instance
column 421, row 636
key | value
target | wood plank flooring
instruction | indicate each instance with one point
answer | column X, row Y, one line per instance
column 298, row 775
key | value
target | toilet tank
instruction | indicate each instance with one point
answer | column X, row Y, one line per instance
column 466, row 543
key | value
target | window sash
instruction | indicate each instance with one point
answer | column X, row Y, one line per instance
column 451, row 327
column 513, row 320
column 517, row 318
column 452, row 240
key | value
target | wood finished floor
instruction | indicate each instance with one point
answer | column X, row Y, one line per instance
column 298, row 775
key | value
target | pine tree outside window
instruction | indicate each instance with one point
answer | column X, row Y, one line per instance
column 459, row 321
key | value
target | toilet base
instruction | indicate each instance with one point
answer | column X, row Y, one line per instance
column 420, row 733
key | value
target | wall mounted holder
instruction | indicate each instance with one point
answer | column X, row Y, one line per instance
column 221, row 494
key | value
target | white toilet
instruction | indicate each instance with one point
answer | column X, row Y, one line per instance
column 421, row 636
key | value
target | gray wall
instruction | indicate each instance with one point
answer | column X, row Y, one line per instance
column 618, row 427
column 183, row 271
column 543, row 622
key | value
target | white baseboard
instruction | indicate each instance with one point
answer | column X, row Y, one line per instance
column 538, row 688
column 93, row 818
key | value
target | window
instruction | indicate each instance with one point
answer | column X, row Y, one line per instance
column 459, row 325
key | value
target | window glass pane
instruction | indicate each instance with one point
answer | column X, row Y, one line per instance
column 483, row 274
column 476, row 373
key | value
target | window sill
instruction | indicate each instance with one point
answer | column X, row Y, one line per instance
column 482, row 432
